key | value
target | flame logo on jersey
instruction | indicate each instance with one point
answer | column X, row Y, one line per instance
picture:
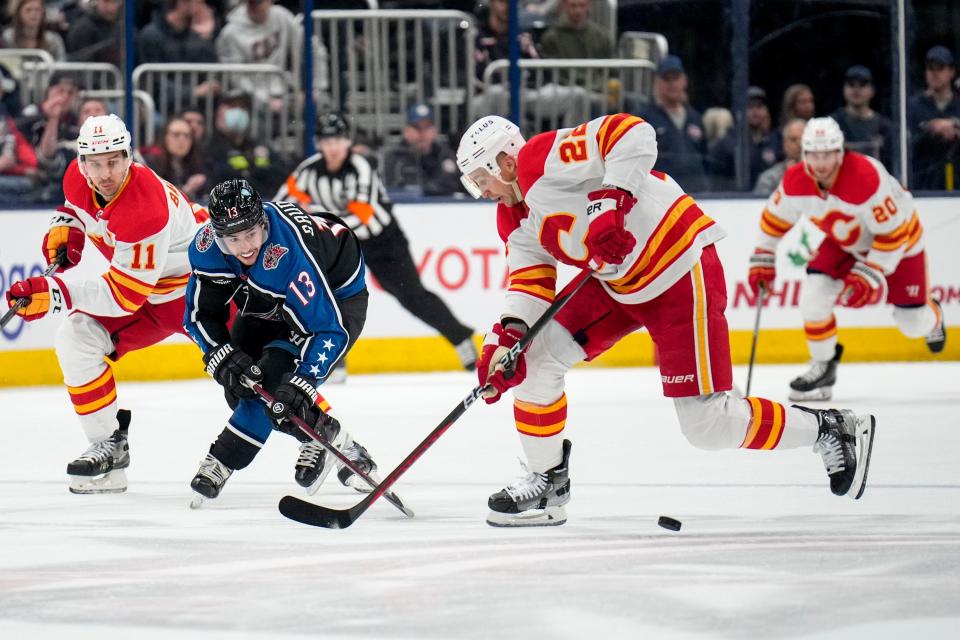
column 205, row 238
column 272, row 255
column 840, row 226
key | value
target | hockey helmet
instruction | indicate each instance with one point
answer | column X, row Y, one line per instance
column 234, row 206
column 332, row 125
column 822, row 134
column 103, row 134
column 479, row 147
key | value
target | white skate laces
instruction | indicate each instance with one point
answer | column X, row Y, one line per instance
column 828, row 446
column 527, row 486
column 212, row 468
column 310, row 453
column 98, row 452
column 817, row 369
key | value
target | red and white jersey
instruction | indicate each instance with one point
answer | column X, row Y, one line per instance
column 557, row 170
column 866, row 211
column 144, row 231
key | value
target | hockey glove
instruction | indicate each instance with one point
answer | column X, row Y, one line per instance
column 863, row 285
column 42, row 295
column 295, row 396
column 229, row 366
column 70, row 240
column 489, row 371
column 763, row 270
column 607, row 239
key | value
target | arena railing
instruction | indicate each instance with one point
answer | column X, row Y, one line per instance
column 88, row 75
column 15, row 59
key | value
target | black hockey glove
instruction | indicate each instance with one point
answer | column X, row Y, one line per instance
column 228, row 366
column 295, row 396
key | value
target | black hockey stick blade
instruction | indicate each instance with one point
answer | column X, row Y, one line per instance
column 320, row 516
column 22, row 302
column 347, row 462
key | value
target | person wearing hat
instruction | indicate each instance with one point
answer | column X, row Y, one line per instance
column 933, row 117
column 864, row 129
column 338, row 180
column 422, row 164
column 681, row 142
column 720, row 159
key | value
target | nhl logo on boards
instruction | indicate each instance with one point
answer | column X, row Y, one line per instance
column 272, row 255
column 205, row 238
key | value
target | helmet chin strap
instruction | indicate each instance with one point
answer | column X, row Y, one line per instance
column 516, row 191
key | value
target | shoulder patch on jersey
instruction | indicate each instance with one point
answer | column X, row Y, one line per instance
column 204, row 239
column 532, row 159
column 797, row 182
column 858, row 180
column 272, row 255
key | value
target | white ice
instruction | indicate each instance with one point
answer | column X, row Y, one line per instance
column 765, row 550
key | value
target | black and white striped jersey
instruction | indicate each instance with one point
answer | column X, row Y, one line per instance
column 355, row 193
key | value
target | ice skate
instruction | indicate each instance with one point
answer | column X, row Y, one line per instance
column 313, row 464
column 534, row 500
column 209, row 481
column 338, row 375
column 99, row 469
column 357, row 454
column 817, row 382
column 845, row 443
column 467, row 352
column 937, row 339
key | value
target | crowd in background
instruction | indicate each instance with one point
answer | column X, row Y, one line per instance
column 697, row 148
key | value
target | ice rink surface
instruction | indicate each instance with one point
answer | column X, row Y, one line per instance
column 765, row 550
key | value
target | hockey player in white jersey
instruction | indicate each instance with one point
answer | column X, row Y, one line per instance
column 873, row 251
column 143, row 226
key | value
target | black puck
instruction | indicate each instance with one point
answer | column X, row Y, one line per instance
column 669, row 523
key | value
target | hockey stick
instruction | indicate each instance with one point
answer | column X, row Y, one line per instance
column 761, row 291
column 320, row 516
column 347, row 462
column 22, row 302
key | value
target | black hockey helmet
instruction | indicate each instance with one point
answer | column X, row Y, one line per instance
column 332, row 125
column 234, row 206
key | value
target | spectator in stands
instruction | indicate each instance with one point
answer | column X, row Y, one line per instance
column 91, row 107
column 762, row 157
column 769, row 179
column 681, row 142
column 260, row 32
column 97, row 35
column 797, row 102
column 422, row 164
column 176, row 160
column 493, row 41
column 51, row 127
column 864, row 129
column 28, row 29
column 170, row 38
column 574, row 35
column 18, row 163
column 9, row 93
column 233, row 154
column 934, row 120
column 197, row 119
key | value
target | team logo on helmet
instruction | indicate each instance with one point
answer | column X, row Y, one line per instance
column 272, row 255
column 205, row 238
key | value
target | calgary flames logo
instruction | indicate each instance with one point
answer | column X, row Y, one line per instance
column 205, row 238
column 272, row 255
column 840, row 226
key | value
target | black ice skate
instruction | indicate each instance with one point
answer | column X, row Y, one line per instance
column 313, row 464
column 100, row 469
column 535, row 500
column 845, row 443
column 357, row 454
column 937, row 339
column 209, row 481
column 817, row 383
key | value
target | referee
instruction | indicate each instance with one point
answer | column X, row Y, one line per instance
column 342, row 182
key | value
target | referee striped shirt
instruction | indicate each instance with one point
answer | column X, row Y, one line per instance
column 355, row 193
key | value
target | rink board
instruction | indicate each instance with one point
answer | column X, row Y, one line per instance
column 460, row 257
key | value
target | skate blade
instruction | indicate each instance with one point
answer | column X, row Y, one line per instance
column 549, row 517
column 866, row 427
column 111, row 482
column 814, row 395
column 355, row 482
column 197, row 501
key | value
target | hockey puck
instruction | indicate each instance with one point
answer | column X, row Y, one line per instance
column 669, row 523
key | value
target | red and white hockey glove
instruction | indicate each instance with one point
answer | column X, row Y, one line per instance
column 489, row 371
column 69, row 240
column 763, row 270
column 863, row 285
column 42, row 295
column 607, row 239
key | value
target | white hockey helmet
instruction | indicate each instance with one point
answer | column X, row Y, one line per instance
column 479, row 147
column 103, row 134
column 822, row 134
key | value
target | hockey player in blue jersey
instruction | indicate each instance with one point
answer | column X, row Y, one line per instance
column 297, row 281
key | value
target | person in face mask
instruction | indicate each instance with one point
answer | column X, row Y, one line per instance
column 234, row 154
